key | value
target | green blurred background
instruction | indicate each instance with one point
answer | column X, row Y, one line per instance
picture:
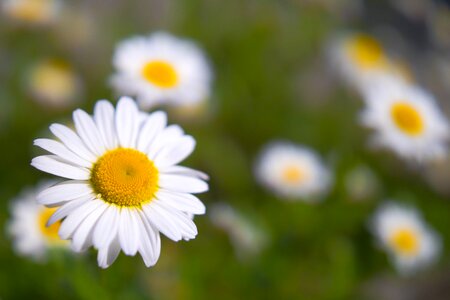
column 272, row 81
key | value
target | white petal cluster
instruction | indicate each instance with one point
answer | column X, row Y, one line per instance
column 89, row 220
column 417, row 250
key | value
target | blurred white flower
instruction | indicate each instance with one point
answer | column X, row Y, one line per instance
column 38, row 12
column 123, row 183
column 28, row 228
column 292, row 171
column 246, row 237
column 406, row 119
column 161, row 69
column 401, row 231
column 360, row 59
column 53, row 83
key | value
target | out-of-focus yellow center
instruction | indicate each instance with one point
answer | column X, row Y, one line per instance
column 293, row 174
column 407, row 118
column 124, row 177
column 160, row 73
column 366, row 52
column 405, row 241
column 31, row 10
column 50, row 232
column 53, row 80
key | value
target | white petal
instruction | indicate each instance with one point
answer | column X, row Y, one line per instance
column 150, row 243
column 88, row 132
column 62, row 151
column 82, row 238
column 168, row 135
column 68, row 208
column 180, row 170
column 51, row 164
column 175, row 152
column 184, row 184
column 183, row 222
column 127, row 122
column 63, row 192
column 72, row 141
column 129, row 231
column 107, row 227
column 182, row 201
column 107, row 255
column 73, row 220
column 151, row 128
column 104, row 118
column 156, row 217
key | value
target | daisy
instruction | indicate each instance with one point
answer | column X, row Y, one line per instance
column 161, row 69
column 123, row 183
column 32, row 11
column 28, row 228
column 360, row 57
column 406, row 119
column 247, row 238
column 401, row 231
column 54, row 83
column 292, row 171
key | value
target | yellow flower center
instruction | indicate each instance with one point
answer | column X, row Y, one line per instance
column 293, row 174
column 160, row 73
column 407, row 118
column 366, row 52
column 53, row 80
column 405, row 241
column 50, row 232
column 31, row 10
column 124, row 177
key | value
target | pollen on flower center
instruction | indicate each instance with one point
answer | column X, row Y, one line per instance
column 124, row 177
column 366, row 51
column 293, row 174
column 407, row 118
column 405, row 241
column 160, row 73
column 50, row 232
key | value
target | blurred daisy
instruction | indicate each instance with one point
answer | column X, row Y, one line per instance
column 123, row 183
column 32, row 11
column 161, row 69
column 406, row 119
column 28, row 227
column 405, row 236
column 360, row 57
column 292, row 171
column 247, row 238
column 54, row 83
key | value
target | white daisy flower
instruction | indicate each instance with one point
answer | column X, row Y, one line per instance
column 32, row 11
column 405, row 236
column 28, row 228
column 54, row 83
column 292, row 171
column 406, row 119
column 360, row 58
column 247, row 237
column 123, row 186
column 161, row 69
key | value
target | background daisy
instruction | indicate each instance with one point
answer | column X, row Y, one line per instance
column 54, row 83
column 123, row 183
column 406, row 119
column 32, row 11
column 405, row 236
column 161, row 69
column 28, row 229
column 360, row 58
column 292, row 171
